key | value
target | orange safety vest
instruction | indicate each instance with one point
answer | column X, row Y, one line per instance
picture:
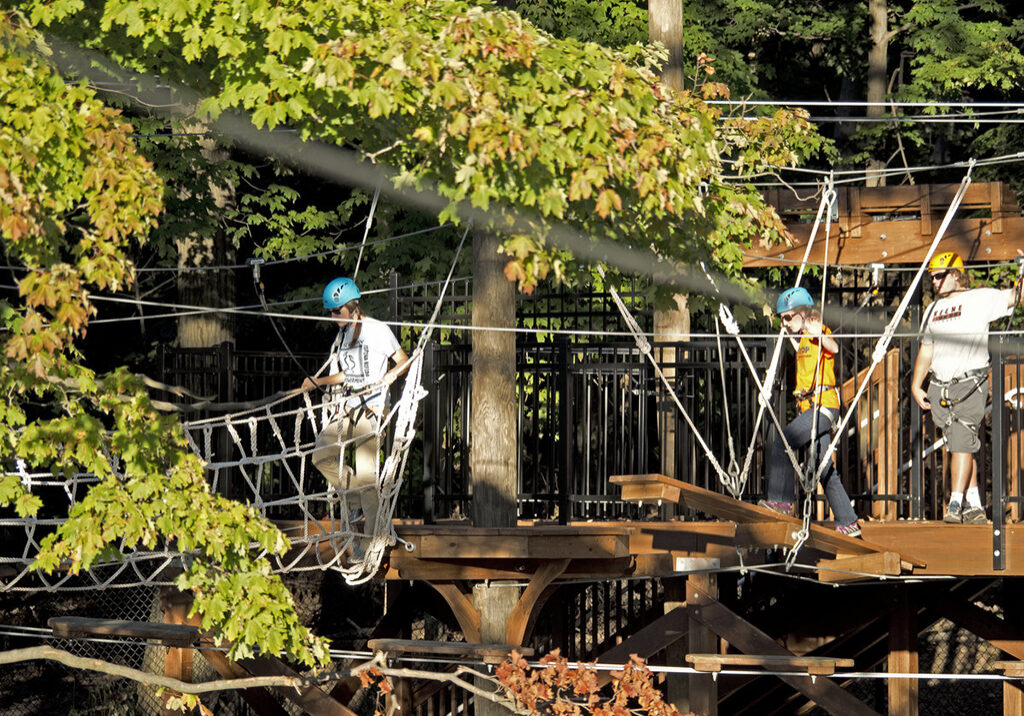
column 818, row 388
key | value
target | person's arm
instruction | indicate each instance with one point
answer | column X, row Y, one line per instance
column 921, row 367
column 323, row 382
column 401, row 360
column 814, row 329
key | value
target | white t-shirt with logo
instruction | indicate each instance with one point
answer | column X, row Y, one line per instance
column 365, row 361
column 957, row 326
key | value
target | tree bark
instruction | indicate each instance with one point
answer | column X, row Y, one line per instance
column 207, row 288
column 665, row 25
column 878, row 69
column 494, row 446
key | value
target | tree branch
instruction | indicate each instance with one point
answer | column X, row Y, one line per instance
column 105, row 667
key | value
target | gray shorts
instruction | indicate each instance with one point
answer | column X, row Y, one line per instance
column 960, row 422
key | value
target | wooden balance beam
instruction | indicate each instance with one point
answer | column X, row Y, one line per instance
column 177, row 635
column 813, row 665
column 655, row 487
column 489, row 653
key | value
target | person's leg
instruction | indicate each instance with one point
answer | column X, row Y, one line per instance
column 963, row 472
column 362, row 434
column 780, row 467
column 831, row 483
column 966, row 415
column 327, row 453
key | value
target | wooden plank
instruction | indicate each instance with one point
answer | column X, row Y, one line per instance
column 859, row 567
column 649, row 494
column 817, row 665
column 749, row 639
column 174, row 635
column 764, row 534
column 724, row 507
column 491, row 653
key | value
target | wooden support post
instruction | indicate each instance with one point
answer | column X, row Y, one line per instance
column 703, row 688
column 495, row 603
column 177, row 660
column 677, row 685
column 903, row 693
column 1013, row 695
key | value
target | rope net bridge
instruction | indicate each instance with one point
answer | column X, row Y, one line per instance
column 267, row 453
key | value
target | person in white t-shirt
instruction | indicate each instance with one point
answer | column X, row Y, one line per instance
column 954, row 349
column 360, row 358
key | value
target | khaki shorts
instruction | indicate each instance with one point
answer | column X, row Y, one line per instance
column 960, row 422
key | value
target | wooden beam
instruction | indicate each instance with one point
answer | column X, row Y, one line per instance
column 984, row 624
column 903, row 693
column 259, row 700
column 958, row 550
column 406, row 567
column 648, row 641
column 1013, row 695
column 749, row 639
column 462, row 607
column 312, row 699
column 703, row 689
column 515, row 630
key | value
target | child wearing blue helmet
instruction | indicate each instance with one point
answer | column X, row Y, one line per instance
column 816, row 393
column 359, row 363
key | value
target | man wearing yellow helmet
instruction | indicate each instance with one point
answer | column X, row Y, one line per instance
column 954, row 350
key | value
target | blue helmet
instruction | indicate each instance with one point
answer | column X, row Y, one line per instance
column 793, row 298
column 339, row 292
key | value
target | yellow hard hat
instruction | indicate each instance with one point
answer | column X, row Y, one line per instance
column 947, row 260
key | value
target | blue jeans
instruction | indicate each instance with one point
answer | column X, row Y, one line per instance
column 781, row 480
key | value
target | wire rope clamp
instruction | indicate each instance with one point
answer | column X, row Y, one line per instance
column 255, row 264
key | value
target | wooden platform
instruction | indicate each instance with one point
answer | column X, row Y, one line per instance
column 608, row 550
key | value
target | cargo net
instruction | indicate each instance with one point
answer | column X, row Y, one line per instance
column 262, row 457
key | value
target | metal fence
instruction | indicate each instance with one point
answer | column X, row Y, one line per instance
column 589, row 409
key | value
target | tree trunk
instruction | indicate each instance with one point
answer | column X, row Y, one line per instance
column 878, row 69
column 494, row 446
column 665, row 25
column 207, row 288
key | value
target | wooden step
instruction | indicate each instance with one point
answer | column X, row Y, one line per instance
column 814, row 665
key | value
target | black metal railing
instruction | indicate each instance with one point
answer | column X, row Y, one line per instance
column 589, row 410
